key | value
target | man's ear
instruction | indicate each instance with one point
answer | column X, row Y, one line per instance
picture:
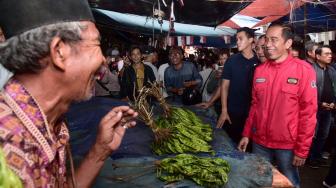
column 310, row 53
column 288, row 43
column 59, row 52
column 317, row 57
column 251, row 40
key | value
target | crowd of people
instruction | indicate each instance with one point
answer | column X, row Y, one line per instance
column 270, row 94
column 272, row 98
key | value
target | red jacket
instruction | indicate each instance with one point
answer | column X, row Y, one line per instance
column 284, row 105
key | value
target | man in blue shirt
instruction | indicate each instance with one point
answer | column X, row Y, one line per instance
column 236, row 85
column 180, row 75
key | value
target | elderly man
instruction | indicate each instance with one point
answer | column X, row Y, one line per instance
column 282, row 117
column 53, row 49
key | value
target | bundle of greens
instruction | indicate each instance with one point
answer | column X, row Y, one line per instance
column 208, row 172
column 188, row 133
column 178, row 130
column 7, row 177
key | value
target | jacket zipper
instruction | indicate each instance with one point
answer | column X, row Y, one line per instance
column 269, row 105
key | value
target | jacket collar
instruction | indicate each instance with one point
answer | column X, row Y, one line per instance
column 282, row 63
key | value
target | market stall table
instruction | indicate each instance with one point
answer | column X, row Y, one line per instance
column 132, row 165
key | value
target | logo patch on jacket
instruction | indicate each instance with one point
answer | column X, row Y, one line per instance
column 260, row 80
column 292, row 81
column 313, row 84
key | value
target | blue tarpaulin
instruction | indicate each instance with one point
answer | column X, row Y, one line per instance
column 180, row 28
column 146, row 25
column 132, row 165
column 319, row 18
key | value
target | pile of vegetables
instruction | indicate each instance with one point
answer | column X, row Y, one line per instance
column 208, row 172
column 180, row 131
column 188, row 133
column 7, row 177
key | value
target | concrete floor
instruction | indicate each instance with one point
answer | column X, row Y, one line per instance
column 312, row 178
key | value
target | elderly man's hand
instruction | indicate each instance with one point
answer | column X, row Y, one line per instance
column 112, row 129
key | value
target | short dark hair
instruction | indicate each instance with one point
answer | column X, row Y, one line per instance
column 148, row 50
column 176, row 48
column 134, row 48
column 319, row 49
column 287, row 30
column 224, row 51
column 261, row 36
column 298, row 46
column 209, row 62
column 249, row 32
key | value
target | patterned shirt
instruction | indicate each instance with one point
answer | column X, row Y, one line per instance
column 33, row 151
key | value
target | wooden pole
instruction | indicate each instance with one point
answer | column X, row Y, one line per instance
column 305, row 23
column 305, row 27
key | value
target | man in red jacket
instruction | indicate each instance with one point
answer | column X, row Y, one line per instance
column 282, row 117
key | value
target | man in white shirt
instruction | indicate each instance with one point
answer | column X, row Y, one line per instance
column 205, row 74
column 151, row 58
column 161, row 72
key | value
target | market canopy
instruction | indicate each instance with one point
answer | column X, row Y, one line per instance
column 205, row 12
column 147, row 24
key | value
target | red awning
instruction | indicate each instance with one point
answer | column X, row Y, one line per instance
column 268, row 10
column 267, row 20
column 230, row 24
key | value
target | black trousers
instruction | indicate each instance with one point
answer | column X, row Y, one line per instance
column 235, row 129
column 331, row 177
